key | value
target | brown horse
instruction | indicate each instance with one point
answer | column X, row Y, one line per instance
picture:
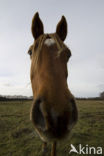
column 54, row 111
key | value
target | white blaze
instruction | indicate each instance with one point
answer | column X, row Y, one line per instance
column 49, row 42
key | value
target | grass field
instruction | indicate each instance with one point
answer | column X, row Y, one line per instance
column 17, row 136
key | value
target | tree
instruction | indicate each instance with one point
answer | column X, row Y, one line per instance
column 102, row 95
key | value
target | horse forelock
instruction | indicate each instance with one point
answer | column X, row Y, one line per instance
column 41, row 40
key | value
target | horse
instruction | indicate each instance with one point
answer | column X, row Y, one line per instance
column 54, row 111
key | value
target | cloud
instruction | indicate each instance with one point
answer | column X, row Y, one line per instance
column 8, row 85
column 11, row 89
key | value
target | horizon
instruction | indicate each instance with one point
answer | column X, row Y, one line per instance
column 6, row 96
column 85, row 40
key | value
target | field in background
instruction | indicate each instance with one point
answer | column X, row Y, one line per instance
column 17, row 136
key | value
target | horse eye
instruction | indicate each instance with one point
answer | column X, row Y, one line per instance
column 30, row 52
column 68, row 54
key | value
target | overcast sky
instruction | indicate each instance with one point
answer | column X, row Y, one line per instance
column 85, row 39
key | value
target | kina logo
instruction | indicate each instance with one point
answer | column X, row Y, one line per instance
column 86, row 150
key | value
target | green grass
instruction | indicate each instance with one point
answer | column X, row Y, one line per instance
column 18, row 138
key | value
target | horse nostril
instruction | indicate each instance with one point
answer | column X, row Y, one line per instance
column 37, row 115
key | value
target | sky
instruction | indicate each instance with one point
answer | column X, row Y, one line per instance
column 85, row 38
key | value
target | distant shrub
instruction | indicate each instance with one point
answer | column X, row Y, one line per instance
column 102, row 95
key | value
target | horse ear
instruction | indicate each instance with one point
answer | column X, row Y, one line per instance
column 61, row 28
column 37, row 26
